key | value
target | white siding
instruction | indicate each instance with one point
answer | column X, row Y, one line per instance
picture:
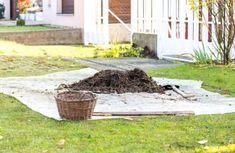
column 51, row 14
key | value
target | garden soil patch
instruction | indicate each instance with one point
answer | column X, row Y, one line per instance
column 114, row 81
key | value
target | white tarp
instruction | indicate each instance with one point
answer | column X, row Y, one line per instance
column 38, row 94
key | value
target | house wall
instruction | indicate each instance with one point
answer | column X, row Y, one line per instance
column 118, row 33
column 52, row 14
column 7, row 8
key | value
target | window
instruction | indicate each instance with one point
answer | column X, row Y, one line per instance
column 67, row 7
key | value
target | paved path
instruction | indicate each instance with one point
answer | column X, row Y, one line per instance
column 13, row 23
column 126, row 63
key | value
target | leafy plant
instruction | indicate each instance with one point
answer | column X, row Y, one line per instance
column 123, row 51
column 223, row 19
column 96, row 54
column 202, row 56
column 112, row 53
column 132, row 52
column 20, row 22
column 23, row 5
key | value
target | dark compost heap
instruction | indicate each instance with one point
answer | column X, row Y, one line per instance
column 114, row 81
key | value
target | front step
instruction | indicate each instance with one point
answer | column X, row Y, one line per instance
column 181, row 58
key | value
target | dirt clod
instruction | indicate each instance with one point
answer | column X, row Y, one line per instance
column 114, row 81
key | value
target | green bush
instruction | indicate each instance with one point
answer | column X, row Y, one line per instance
column 123, row 51
column 132, row 52
column 112, row 53
column 20, row 22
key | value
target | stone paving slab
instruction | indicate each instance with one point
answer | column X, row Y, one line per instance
column 126, row 63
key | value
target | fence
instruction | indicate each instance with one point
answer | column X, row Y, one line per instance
column 180, row 30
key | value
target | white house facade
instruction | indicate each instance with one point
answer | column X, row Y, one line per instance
column 56, row 12
column 92, row 17
column 176, row 26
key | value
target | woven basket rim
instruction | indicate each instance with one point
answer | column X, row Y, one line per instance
column 76, row 100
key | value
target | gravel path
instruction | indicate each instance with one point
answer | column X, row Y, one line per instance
column 126, row 63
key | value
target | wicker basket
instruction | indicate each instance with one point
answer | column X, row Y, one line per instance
column 76, row 105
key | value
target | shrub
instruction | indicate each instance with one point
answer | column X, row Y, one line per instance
column 23, row 5
column 123, row 51
column 20, row 22
column 132, row 52
column 114, row 52
column 223, row 18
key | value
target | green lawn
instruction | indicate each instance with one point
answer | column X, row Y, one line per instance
column 8, row 48
column 28, row 66
column 22, row 130
column 28, row 132
column 25, row 28
column 215, row 78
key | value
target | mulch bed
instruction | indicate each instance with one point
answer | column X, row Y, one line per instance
column 114, row 81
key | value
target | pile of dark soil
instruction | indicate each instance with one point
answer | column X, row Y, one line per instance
column 113, row 81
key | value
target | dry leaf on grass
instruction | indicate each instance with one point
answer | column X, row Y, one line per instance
column 61, row 142
column 206, row 147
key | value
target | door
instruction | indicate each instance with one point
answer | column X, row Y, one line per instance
column 13, row 7
column 96, row 24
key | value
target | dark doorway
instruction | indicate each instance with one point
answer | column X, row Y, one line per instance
column 13, row 6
